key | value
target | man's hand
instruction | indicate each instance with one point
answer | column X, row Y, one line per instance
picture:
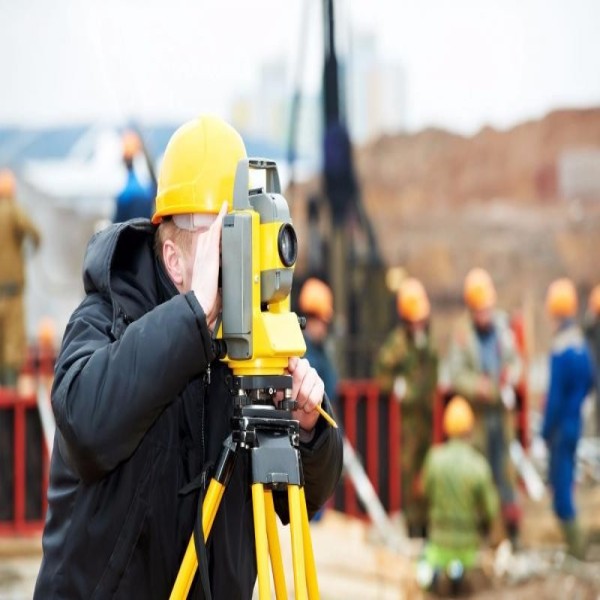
column 308, row 390
column 205, row 274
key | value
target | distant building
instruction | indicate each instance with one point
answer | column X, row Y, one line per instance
column 376, row 99
column 579, row 173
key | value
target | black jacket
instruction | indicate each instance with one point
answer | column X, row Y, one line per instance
column 137, row 420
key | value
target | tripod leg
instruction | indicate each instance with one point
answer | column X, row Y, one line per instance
column 275, row 548
column 297, row 542
column 189, row 565
column 309, row 557
column 261, row 541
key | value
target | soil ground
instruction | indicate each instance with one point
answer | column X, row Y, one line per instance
column 352, row 564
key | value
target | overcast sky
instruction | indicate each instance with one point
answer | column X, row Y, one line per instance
column 468, row 62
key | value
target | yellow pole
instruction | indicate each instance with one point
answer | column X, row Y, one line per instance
column 188, row 567
column 275, row 548
column 297, row 545
column 260, row 538
column 309, row 557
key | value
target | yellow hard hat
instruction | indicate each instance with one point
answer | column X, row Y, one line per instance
column 198, row 169
column 458, row 417
column 561, row 298
column 7, row 183
column 479, row 290
column 316, row 299
column 594, row 300
column 131, row 144
column 412, row 302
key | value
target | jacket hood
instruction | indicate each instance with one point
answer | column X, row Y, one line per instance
column 116, row 265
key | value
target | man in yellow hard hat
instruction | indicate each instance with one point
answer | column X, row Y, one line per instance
column 407, row 365
column 571, row 379
column 143, row 404
column 462, row 497
column 15, row 228
column 484, row 367
column 592, row 334
column 135, row 199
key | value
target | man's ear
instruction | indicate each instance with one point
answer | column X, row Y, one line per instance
column 174, row 263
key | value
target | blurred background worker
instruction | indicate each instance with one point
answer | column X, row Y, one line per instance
column 315, row 302
column 484, row 367
column 571, row 379
column 15, row 228
column 592, row 334
column 134, row 200
column 407, row 365
column 462, row 498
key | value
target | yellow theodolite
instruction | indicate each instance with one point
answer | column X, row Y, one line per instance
column 256, row 337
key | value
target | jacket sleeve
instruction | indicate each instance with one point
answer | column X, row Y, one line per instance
column 553, row 397
column 322, row 460
column 107, row 393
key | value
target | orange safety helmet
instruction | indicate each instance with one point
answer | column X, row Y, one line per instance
column 594, row 300
column 412, row 302
column 561, row 299
column 316, row 299
column 131, row 144
column 8, row 183
column 458, row 417
column 479, row 290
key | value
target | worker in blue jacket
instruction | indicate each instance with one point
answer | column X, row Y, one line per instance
column 571, row 379
column 135, row 199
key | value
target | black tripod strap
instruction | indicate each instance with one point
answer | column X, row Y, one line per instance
column 199, row 483
column 201, row 554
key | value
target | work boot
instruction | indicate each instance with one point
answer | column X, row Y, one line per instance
column 456, row 573
column 576, row 545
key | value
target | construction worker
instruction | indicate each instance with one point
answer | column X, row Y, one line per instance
column 484, row 367
column 134, row 200
column 143, row 404
column 592, row 334
column 315, row 303
column 463, row 501
column 571, row 379
column 15, row 228
column 407, row 366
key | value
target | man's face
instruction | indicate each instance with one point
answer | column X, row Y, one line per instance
column 482, row 318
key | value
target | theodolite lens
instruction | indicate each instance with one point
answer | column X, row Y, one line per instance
column 287, row 244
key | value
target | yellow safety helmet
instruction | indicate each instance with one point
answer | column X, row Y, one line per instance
column 594, row 300
column 131, row 144
column 479, row 290
column 561, row 299
column 458, row 417
column 198, row 169
column 7, row 183
column 412, row 302
column 316, row 299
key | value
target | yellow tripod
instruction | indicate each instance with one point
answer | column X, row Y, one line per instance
column 272, row 438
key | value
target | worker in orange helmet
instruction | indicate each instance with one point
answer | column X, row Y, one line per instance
column 592, row 334
column 407, row 366
column 135, row 199
column 315, row 302
column 462, row 498
column 15, row 228
column 571, row 379
column 484, row 366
